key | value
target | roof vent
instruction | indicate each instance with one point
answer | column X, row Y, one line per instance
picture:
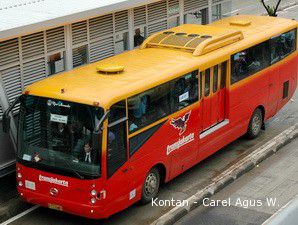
column 168, row 32
column 110, row 69
column 193, row 35
column 180, row 34
column 242, row 23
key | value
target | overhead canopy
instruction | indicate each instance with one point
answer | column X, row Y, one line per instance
column 20, row 17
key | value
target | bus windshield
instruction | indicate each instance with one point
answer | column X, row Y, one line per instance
column 59, row 136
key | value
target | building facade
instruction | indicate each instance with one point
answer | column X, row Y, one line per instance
column 31, row 57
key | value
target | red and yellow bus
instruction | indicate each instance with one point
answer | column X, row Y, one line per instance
column 97, row 139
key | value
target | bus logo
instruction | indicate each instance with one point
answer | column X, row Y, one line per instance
column 181, row 123
column 54, row 191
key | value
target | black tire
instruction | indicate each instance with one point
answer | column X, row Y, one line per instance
column 255, row 124
column 150, row 186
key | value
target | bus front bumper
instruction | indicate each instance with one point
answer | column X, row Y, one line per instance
column 72, row 207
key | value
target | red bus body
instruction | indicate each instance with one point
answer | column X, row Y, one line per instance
column 265, row 90
column 184, row 148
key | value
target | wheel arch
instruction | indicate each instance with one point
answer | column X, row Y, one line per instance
column 262, row 108
column 162, row 171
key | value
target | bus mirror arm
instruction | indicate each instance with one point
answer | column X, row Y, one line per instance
column 6, row 116
column 103, row 118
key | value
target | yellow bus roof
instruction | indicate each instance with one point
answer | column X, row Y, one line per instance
column 160, row 60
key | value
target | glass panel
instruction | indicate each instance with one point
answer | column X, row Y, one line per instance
column 215, row 78
column 223, row 75
column 59, row 135
column 118, row 111
column 282, row 46
column 207, row 83
column 116, row 149
column 158, row 102
column 249, row 61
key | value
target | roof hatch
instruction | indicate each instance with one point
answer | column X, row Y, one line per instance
column 110, row 69
column 242, row 23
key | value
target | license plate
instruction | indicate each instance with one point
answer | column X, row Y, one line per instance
column 55, row 207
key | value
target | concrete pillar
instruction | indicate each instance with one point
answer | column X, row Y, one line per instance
column 181, row 13
column 131, row 30
column 209, row 11
column 68, row 47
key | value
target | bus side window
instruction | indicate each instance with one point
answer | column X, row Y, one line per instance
column 185, row 91
column 215, row 78
column 201, row 84
column 161, row 101
column 148, row 107
column 117, row 139
column 249, row 61
column 223, row 75
column 282, row 45
column 207, row 83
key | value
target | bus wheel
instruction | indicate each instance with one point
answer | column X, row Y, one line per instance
column 151, row 186
column 255, row 124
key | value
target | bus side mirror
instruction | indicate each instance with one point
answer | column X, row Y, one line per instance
column 6, row 123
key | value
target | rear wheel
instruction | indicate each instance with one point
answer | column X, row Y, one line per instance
column 255, row 124
column 151, row 186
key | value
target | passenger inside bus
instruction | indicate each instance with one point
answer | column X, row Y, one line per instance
column 162, row 100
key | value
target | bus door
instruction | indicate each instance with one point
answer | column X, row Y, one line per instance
column 218, row 97
column 222, row 91
column 118, row 181
column 206, row 100
column 215, row 96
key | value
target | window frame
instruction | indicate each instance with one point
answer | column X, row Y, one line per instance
column 294, row 50
column 269, row 56
column 123, row 120
column 152, row 124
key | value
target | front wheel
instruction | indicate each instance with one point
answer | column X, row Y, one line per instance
column 151, row 186
column 255, row 124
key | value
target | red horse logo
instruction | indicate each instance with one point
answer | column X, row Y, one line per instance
column 181, row 122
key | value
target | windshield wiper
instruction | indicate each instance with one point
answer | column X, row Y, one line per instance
column 73, row 170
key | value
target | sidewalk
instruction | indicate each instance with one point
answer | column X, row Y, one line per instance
column 275, row 180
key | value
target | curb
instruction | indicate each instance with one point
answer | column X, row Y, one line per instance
column 230, row 175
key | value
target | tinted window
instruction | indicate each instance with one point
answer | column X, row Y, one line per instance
column 215, row 78
column 223, row 75
column 249, row 61
column 207, row 83
column 282, row 45
column 118, row 111
column 158, row 102
column 116, row 147
column 117, row 138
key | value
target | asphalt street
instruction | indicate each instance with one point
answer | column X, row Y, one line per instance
column 193, row 179
column 255, row 196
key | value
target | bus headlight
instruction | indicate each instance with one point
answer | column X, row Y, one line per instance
column 20, row 183
column 19, row 175
column 93, row 193
column 93, row 200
